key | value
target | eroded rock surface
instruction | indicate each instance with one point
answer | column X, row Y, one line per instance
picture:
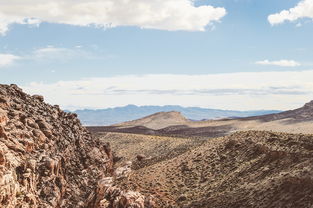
column 47, row 159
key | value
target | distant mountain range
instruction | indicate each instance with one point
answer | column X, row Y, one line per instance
column 109, row 116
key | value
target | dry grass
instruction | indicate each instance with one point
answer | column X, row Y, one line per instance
column 246, row 169
column 159, row 148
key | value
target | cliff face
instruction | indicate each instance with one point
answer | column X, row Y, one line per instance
column 47, row 159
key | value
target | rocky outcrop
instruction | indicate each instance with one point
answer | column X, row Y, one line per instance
column 47, row 159
column 309, row 105
column 109, row 195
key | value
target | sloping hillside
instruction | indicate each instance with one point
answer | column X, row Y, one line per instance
column 294, row 121
column 152, row 149
column 245, row 169
column 157, row 121
column 302, row 114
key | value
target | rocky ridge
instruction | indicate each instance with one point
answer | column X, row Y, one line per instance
column 292, row 121
column 47, row 159
column 305, row 113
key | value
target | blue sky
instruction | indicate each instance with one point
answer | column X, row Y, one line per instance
column 244, row 39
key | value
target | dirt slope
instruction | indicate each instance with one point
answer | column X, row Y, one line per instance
column 153, row 148
column 245, row 169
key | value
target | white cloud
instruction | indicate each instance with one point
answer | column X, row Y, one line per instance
column 283, row 63
column 155, row 14
column 7, row 59
column 51, row 52
column 64, row 54
column 239, row 91
column 304, row 9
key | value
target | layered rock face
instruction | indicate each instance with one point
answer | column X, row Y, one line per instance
column 47, row 159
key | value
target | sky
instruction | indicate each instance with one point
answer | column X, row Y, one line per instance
column 226, row 54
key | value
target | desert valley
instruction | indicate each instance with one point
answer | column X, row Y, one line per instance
column 156, row 104
column 164, row 160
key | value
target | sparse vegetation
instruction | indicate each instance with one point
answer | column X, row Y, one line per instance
column 245, row 169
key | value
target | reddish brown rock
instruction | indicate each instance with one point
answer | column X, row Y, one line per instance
column 38, row 97
column 3, row 117
column 108, row 195
column 47, row 158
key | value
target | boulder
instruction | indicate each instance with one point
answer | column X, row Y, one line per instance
column 141, row 157
column 38, row 97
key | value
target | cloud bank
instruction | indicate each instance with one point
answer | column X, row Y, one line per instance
column 238, row 91
column 155, row 14
column 7, row 59
column 282, row 63
column 304, row 9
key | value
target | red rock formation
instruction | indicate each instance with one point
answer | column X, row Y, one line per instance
column 47, row 159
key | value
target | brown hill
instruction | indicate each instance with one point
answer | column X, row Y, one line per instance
column 302, row 114
column 47, row 159
column 246, row 169
column 293, row 121
column 157, row 148
column 253, row 169
column 157, row 121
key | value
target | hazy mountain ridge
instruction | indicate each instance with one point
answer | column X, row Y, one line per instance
column 292, row 121
column 116, row 115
